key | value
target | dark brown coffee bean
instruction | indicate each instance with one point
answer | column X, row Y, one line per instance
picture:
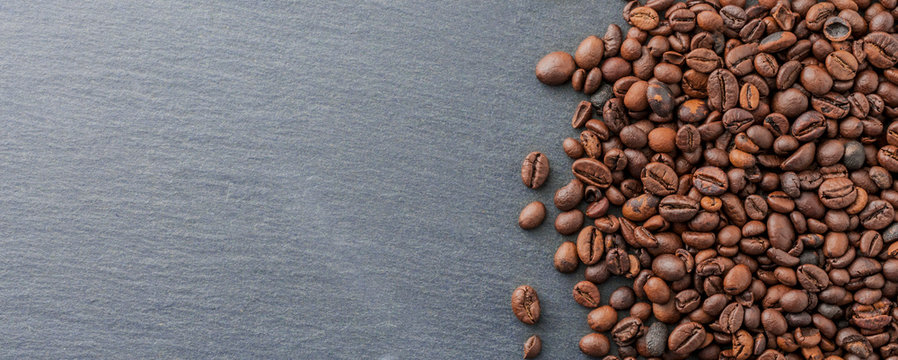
column 841, row 65
column 831, row 105
column 595, row 344
column 532, row 347
column 739, row 60
column 569, row 196
column 710, row 181
column 569, row 222
column 723, row 90
column 612, row 40
column 777, row 41
column 703, row 60
column 589, row 53
column 731, row 318
column 641, row 208
column 660, row 99
column 644, row 18
column 657, row 291
column 582, row 114
column 678, row 208
column 618, row 261
column 627, row 330
column 572, row 148
column 669, row 267
column 787, row 75
column 602, row 318
column 749, row 98
column 525, row 304
column 737, row 279
column 586, row 294
column 590, row 245
column 881, row 49
column 837, row 193
column 555, row 68
column 659, row 179
column 812, row 278
column 686, row 338
column 816, row 80
column 877, row 215
column 535, row 170
column 737, row 120
column 836, row 29
column 566, row 260
column 592, row 172
column 532, row 215
column 888, row 157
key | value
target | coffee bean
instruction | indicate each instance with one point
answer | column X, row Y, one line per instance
column 723, row 90
column 618, row 261
column 592, row 172
column 877, row 215
column 532, row 347
column 627, row 330
column 532, row 215
column 566, row 260
column 569, row 222
column 881, row 49
column 602, row 318
column 737, row 279
column 590, row 245
column 686, row 338
column 731, row 318
column 777, row 42
column 525, row 304
column 589, row 53
column 586, row 294
column 660, row 99
column 749, row 98
column 737, row 120
column 555, row 68
column 837, row 193
column 595, row 344
column 582, row 114
column 841, row 65
column 711, row 181
column 644, row 17
column 535, row 170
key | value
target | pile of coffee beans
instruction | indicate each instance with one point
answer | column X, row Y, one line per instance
column 735, row 164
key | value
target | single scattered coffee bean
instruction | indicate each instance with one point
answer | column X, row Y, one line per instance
column 535, row 170
column 586, row 294
column 595, row 344
column 532, row 347
column 525, row 304
column 589, row 53
column 532, row 215
column 644, row 18
column 555, row 68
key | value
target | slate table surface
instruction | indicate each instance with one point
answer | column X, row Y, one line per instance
column 311, row 180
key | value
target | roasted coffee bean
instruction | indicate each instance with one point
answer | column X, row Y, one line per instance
column 582, row 114
column 525, row 304
column 555, row 68
column 532, row 347
column 710, row 181
column 590, row 245
column 595, row 344
column 644, row 18
column 627, row 330
column 569, row 222
column 660, row 99
column 841, row 65
column 881, row 49
column 586, row 294
column 703, row 60
column 731, row 318
column 686, row 338
column 723, row 90
column 678, row 208
column 566, row 260
column 589, row 53
column 749, row 98
column 659, row 179
column 532, row 215
column 592, row 172
column 535, row 170
column 602, row 318
column 777, row 42
column 877, row 215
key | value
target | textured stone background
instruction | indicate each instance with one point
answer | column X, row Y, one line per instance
column 316, row 179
